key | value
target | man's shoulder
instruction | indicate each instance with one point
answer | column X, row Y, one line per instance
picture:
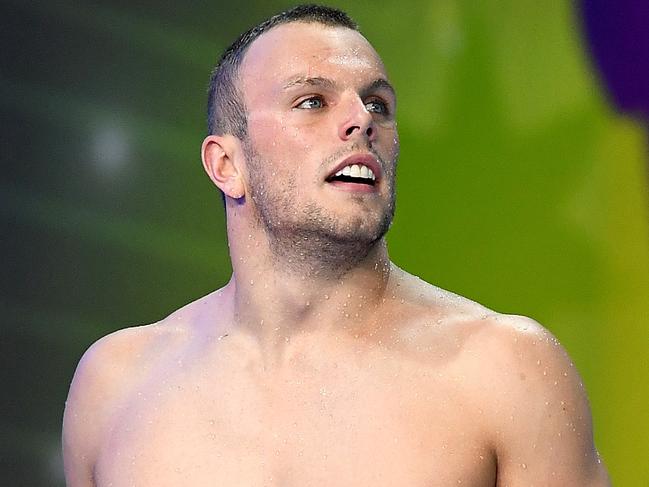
column 515, row 343
column 531, row 399
column 515, row 352
column 512, row 351
column 107, row 367
column 119, row 357
column 476, row 326
column 525, row 383
column 103, row 374
column 106, row 376
column 108, row 356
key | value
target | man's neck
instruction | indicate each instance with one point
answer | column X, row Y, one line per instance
column 276, row 303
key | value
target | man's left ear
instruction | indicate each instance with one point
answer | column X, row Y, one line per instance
column 218, row 155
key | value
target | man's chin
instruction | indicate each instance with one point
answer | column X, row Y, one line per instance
column 361, row 228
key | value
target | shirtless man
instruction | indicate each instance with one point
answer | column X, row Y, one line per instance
column 321, row 363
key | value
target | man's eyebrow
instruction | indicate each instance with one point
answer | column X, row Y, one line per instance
column 380, row 84
column 309, row 81
column 377, row 84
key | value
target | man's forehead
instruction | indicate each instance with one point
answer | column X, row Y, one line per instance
column 292, row 48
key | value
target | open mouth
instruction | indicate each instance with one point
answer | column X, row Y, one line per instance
column 354, row 173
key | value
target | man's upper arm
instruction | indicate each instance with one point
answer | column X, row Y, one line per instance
column 541, row 413
column 95, row 386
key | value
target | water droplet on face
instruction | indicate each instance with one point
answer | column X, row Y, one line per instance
column 524, row 465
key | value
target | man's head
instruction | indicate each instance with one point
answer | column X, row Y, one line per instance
column 310, row 98
column 226, row 112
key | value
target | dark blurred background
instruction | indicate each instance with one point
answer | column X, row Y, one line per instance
column 522, row 184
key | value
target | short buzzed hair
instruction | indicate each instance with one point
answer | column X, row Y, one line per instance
column 226, row 111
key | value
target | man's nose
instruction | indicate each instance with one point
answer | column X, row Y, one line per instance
column 357, row 122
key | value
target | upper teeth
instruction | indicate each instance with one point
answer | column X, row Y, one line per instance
column 357, row 171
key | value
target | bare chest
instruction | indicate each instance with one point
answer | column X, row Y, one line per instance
column 374, row 426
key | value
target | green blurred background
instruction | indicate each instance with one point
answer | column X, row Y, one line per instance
column 518, row 187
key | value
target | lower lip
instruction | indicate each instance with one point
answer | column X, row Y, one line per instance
column 354, row 187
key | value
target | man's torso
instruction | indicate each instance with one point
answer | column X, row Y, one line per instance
column 394, row 409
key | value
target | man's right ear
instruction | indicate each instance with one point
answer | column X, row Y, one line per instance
column 218, row 155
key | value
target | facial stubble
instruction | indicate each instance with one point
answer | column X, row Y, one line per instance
column 309, row 238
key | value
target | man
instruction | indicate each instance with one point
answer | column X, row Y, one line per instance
column 321, row 362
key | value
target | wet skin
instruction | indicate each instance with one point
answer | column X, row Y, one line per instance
column 438, row 391
column 295, row 375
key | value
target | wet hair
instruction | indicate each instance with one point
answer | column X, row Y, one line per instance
column 226, row 111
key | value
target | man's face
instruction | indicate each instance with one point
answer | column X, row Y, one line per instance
column 318, row 100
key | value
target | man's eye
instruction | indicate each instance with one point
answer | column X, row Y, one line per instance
column 311, row 103
column 377, row 106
